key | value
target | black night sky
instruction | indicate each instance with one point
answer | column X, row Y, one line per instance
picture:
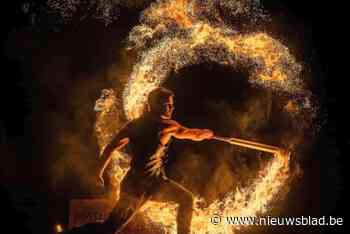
column 30, row 107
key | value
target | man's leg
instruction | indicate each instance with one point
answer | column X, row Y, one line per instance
column 173, row 191
column 132, row 197
column 123, row 212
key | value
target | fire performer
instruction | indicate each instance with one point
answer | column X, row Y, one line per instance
column 148, row 138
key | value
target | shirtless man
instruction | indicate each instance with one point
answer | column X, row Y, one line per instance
column 148, row 138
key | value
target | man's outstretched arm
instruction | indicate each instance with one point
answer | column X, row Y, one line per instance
column 180, row 132
column 194, row 134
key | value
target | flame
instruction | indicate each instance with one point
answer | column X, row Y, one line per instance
column 175, row 11
column 191, row 42
column 58, row 228
column 275, row 66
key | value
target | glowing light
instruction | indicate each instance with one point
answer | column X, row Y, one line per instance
column 58, row 228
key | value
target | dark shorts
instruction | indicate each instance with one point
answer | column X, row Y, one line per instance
column 136, row 183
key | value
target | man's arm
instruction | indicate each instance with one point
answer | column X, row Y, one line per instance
column 180, row 132
column 117, row 143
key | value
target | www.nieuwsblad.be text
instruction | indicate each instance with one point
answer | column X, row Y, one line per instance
column 277, row 221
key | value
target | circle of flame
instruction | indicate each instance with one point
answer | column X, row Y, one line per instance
column 148, row 75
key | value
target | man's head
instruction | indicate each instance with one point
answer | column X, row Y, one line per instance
column 161, row 102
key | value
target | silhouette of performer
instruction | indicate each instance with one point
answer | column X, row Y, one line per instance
column 148, row 138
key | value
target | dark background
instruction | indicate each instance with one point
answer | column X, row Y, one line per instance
column 29, row 203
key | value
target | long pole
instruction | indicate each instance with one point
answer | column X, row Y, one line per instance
column 249, row 144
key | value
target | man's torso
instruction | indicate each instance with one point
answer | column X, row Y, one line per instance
column 149, row 156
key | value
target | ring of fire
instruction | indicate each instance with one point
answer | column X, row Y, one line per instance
column 274, row 68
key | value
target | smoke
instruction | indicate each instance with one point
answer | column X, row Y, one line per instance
column 54, row 14
column 66, row 72
column 62, row 12
column 77, row 142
